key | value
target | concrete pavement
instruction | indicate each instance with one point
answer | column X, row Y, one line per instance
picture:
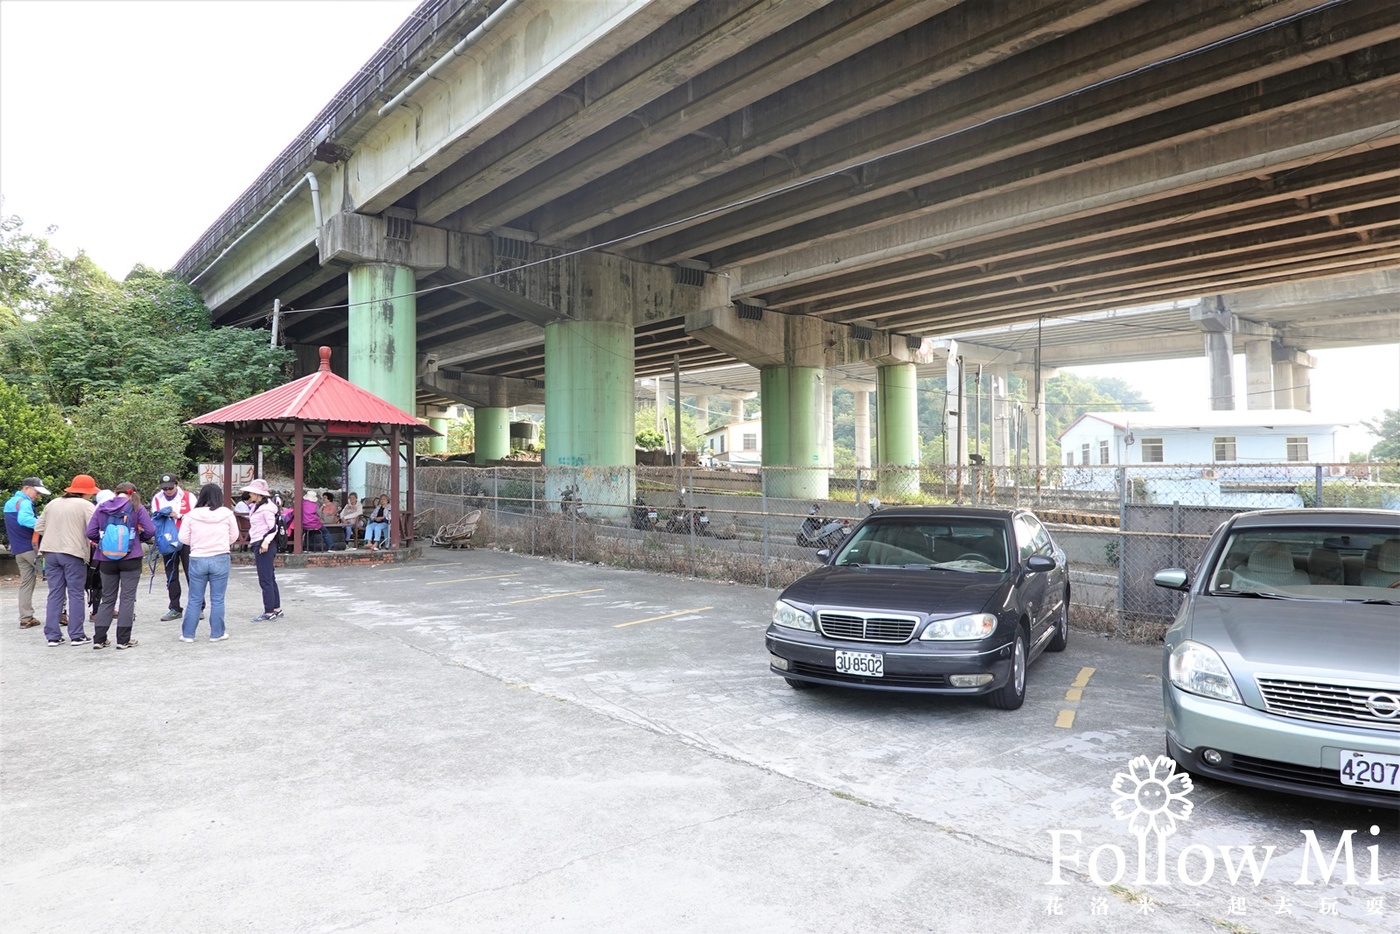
column 493, row 742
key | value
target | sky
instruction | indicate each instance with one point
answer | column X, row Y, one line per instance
column 131, row 126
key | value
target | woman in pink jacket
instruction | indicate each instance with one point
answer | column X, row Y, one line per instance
column 208, row 530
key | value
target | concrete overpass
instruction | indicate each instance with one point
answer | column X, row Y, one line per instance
column 518, row 200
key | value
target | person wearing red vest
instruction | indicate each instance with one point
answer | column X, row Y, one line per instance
column 178, row 502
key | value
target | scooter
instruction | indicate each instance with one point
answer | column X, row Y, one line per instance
column 643, row 516
column 570, row 504
column 686, row 520
column 817, row 532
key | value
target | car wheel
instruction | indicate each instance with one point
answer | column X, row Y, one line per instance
column 1011, row 695
column 1061, row 637
column 798, row 685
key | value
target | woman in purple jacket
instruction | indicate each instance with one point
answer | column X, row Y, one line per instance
column 119, row 575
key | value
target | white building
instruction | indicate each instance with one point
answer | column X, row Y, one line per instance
column 739, row 444
column 1253, row 458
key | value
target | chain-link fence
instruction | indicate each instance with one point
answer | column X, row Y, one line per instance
column 1118, row 525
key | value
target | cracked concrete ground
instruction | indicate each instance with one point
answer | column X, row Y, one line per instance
column 492, row 742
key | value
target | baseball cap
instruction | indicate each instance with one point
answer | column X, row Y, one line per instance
column 168, row 479
column 37, row 484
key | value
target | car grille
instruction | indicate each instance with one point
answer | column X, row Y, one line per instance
column 867, row 627
column 1306, row 776
column 1326, row 701
column 828, row 673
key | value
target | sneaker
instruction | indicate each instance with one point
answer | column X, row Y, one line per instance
column 263, row 618
column 99, row 644
column 59, row 641
column 218, row 638
column 127, row 645
column 28, row 622
column 186, row 639
column 172, row 614
column 81, row 640
column 277, row 614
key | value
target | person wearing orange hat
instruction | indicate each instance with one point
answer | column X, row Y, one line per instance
column 63, row 541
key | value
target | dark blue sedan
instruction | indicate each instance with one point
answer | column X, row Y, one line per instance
column 929, row 599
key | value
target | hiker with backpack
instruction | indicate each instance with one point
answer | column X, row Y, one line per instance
column 264, row 525
column 168, row 508
column 208, row 531
column 118, row 527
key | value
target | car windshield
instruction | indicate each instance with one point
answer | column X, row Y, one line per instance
column 967, row 545
column 1302, row 562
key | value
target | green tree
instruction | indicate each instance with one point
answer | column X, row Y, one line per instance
column 29, row 270
column 1388, row 430
column 35, row 441
column 645, row 426
column 133, row 435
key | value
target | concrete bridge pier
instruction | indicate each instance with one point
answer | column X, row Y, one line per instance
column 383, row 312
column 897, row 432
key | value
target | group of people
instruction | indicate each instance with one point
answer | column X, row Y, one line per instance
column 320, row 514
column 88, row 532
column 69, row 540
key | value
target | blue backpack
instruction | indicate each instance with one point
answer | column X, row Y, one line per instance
column 167, row 532
column 117, row 536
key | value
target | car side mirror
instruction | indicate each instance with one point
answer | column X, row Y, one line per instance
column 1040, row 563
column 1172, row 579
column 823, row 555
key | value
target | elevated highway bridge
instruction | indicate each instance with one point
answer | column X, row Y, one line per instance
column 518, row 201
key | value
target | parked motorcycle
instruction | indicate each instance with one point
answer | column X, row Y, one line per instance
column 819, row 532
column 570, row 503
column 686, row 520
column 643, row 516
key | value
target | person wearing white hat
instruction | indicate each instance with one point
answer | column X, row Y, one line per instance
column 311, row 522
column 19, row 527
column 262, row 541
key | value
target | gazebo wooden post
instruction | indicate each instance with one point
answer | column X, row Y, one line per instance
column 297, row 475
column 412, row 466
column 394, row 441
column 228, row 465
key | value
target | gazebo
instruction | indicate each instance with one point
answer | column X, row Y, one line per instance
column 322, row 409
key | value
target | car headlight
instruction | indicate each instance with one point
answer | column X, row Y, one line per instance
column 972, row 626
column 785, row 614
column 1199, row 669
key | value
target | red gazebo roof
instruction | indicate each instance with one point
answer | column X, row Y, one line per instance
column 320, row 397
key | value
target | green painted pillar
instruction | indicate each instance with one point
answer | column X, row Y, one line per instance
column 792, row 431
column 588, row 413
column 897, row 431
column 438, row 445
column 383, row 344
column 492, row 426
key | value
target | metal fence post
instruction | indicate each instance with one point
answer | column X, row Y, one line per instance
column 1317, row 487
column 763, row 507
column 1122, row 545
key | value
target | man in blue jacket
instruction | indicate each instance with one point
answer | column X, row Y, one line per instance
column 19, row 528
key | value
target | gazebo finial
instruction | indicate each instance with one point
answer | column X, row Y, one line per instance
column 325, row 359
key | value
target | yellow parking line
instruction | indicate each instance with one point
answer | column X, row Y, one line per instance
column 652, row 619
column 488, row 577
column 551, row 596
column 1082, row 680
column 1065, row 720
column 1074, row 694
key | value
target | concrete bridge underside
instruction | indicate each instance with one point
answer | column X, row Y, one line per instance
column 804, row 185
